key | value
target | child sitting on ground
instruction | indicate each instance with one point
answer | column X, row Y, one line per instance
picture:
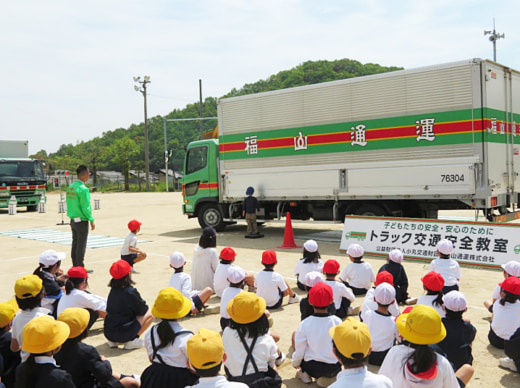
column 459, row 333
column 270, row 285
column 206, row 354
column 220, row 282
column 86, row 366
column 381, row 324
column 351, row 345
column 306, row 310
column 446, row 266
column 358, row 275
column 394, row 266
column 235, row 276
column 313, row 356
column 369, row 304
column 343, row 296
column 511, row 268
column 52, row 277
column 433, row 284
column 129, row 252
column 310, row 262
column 181, row 281
column 10, row 359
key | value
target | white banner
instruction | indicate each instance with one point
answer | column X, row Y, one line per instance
column 480, row 244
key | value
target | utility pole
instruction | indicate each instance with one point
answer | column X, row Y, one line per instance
column 493, row 37
column 142, row 89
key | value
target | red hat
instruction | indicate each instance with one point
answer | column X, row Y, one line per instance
column 269, row 257
column 320, row 295
column 134, row 225
column 433, row 281
column 511, row 285
column 384, row 277
column 331, row 267
column 228, row 254
column 120, row 269
column 78, row 272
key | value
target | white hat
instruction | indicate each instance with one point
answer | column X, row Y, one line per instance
column 235, row 274
column 455, row 301
column 512, row 268
column 396, row 256
column 177, row 259
column 312, row 278
column 51, row 257
column 384, row 293
column 310, row 246
column 355, row 250
column 445, row 247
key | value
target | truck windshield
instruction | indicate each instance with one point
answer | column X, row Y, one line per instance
column 197, row 159
column 27, row 170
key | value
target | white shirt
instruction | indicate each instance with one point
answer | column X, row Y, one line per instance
column 448, row 268
column 303, row 269
column 360, row 378
column 383, row 330
column 358, row 275
column 228, row 294
column 217, row 382
column 506, row 319
column 395, row 368
column 220, row 281
column 203, row 266
column 265, row 352
column 268, row 286
column 130, row 241
column 20, row 320
column 427, row 300
column 79, row 298
column 369, row 304
column 181, row 281
column 496, row 293
column 340, row 291
column 173, row 354
column 312, row 340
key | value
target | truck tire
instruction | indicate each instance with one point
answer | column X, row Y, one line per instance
column 370, row 209
column 32, row 208
column 210, row 215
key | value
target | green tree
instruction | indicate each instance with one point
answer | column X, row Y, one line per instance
column 122, row 152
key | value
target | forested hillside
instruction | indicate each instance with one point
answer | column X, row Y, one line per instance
column 122, row 149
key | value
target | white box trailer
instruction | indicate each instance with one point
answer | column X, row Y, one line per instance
column 14, row 148
column 406, row 143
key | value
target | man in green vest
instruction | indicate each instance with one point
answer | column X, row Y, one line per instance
column 80, row 214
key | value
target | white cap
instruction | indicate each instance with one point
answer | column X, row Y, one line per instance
column 355, row 250
column 512, row 268
column 177, row 259
column 445, row 247
column 384, row 294
column 235, row 274
column 396, row 256
column 310, row 246
column 51, row 257
column 455, row 301
column 312, row 278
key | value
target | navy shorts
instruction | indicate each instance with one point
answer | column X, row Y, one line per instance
column 129, row 258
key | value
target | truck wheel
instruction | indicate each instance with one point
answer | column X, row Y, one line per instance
column 368, row 209
column 210, row 215
column 32, row 208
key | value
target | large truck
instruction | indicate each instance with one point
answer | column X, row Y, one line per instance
column 406, row 144
column 20, row 175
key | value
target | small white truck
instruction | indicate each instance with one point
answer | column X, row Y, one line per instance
column 20, row 175
column 405, row 144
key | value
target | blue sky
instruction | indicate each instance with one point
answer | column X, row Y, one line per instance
column 67, row 66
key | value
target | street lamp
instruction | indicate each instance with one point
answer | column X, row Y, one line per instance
column 493, row 38
column 142, row 89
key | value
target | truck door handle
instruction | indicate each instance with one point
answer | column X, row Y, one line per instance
column 204, row 181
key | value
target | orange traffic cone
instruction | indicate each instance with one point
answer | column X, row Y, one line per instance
column 288, row 236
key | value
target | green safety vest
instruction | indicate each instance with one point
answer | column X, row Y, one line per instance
column 78, row 202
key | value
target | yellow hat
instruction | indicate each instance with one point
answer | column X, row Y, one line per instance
column 7, row 312
column 43, row 334
column 422, row 326
column 28, row 287
column 351, row 337
column 205, row 349
column 76, row 318
column 171, row 304
column 246, row 307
